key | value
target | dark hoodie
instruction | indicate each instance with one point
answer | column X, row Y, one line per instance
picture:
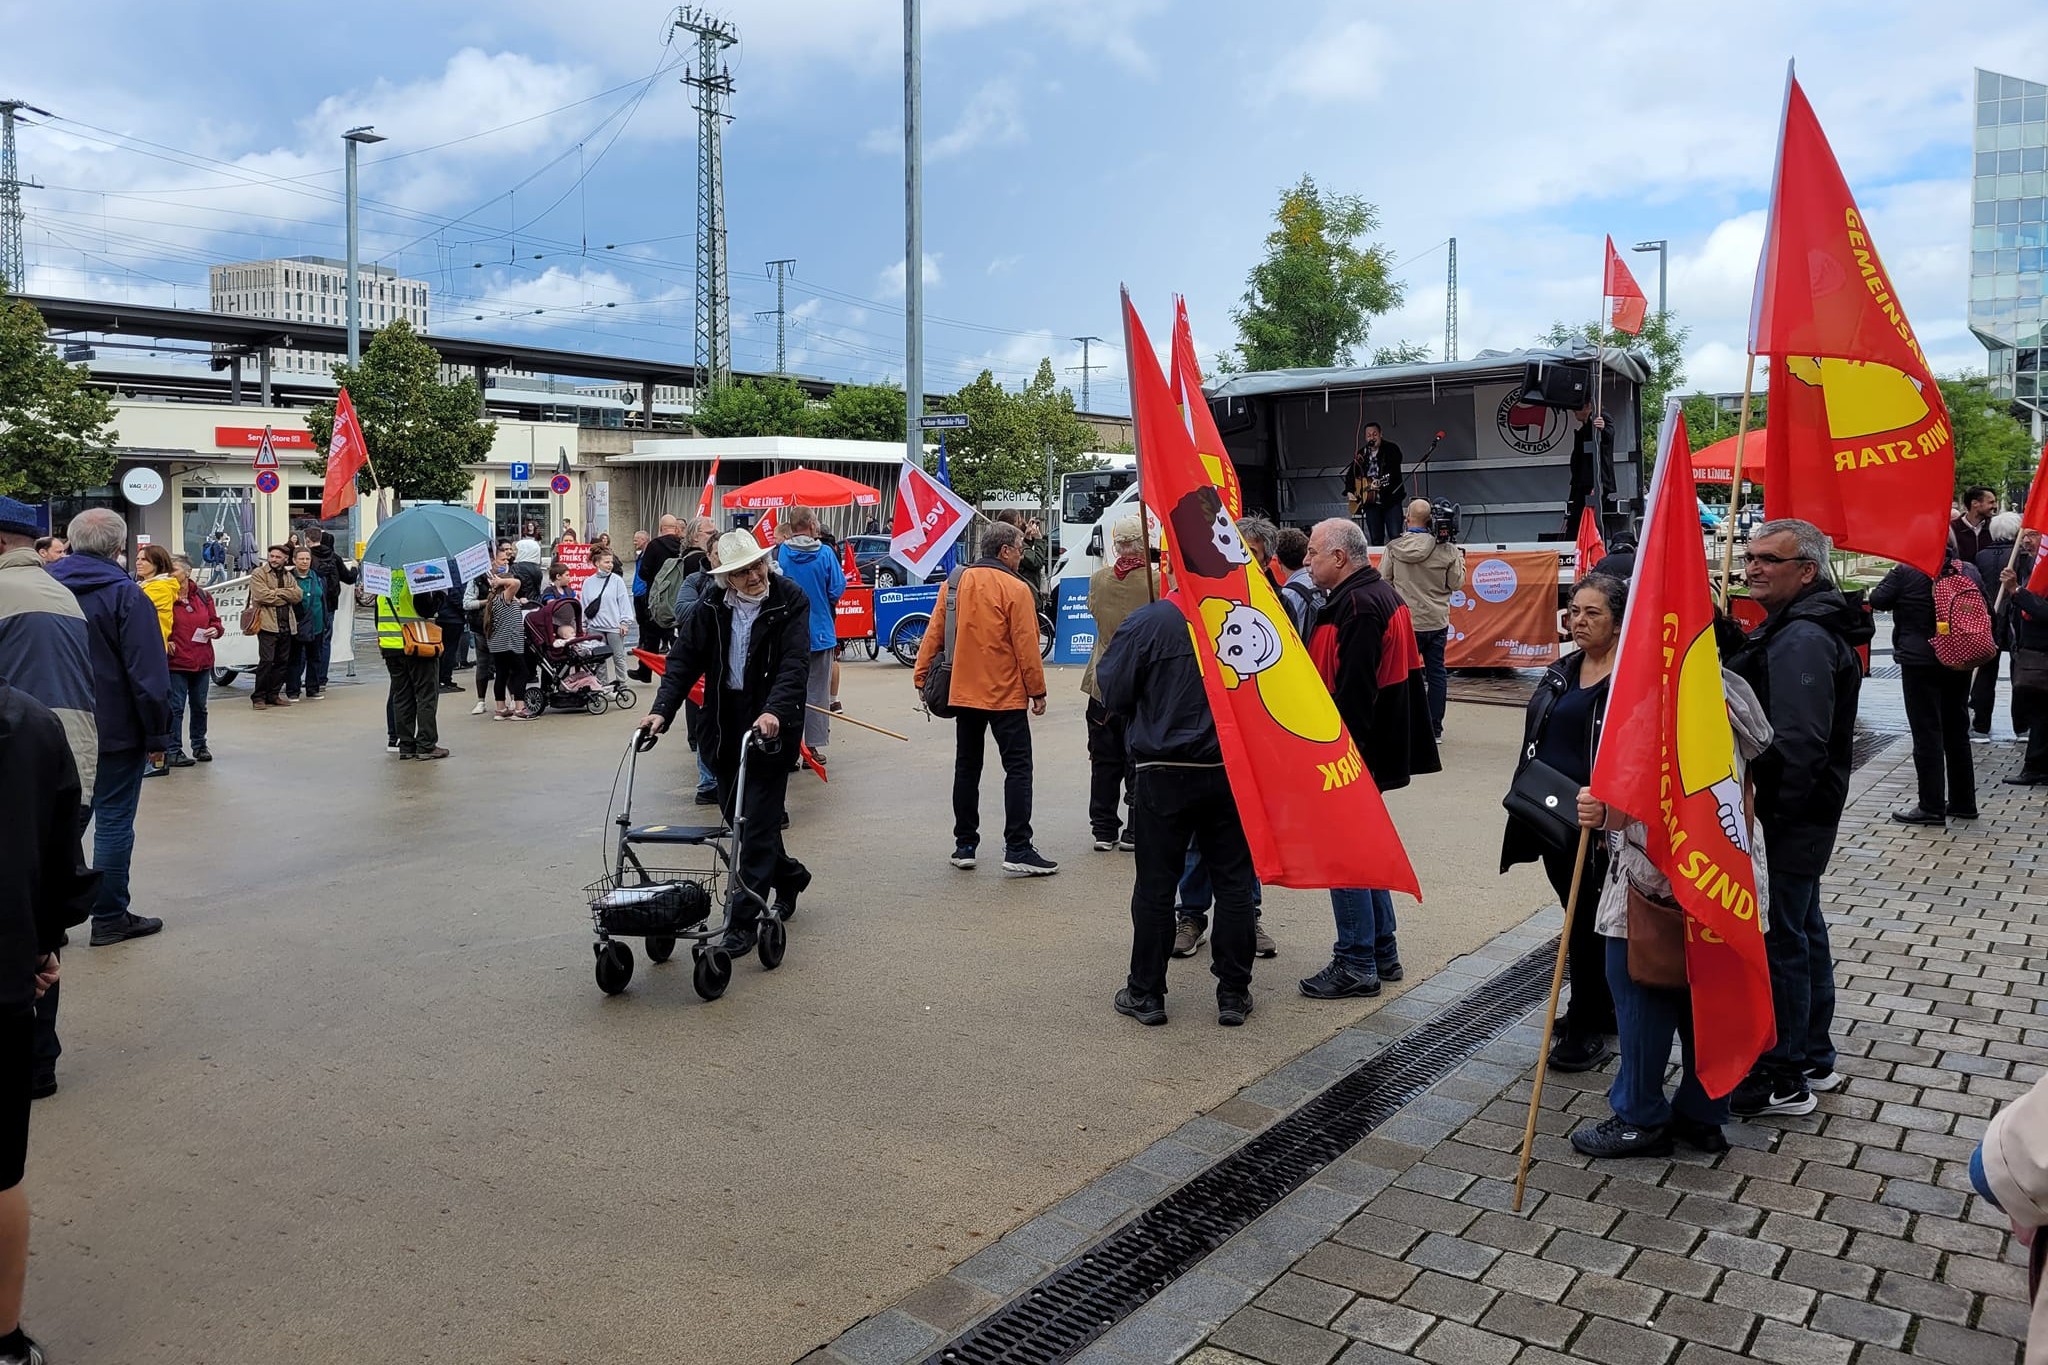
column 333, row 573
column 131, row 675
column 1149, row 675
column 1802, row 664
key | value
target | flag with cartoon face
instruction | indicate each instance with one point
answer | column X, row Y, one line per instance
column 1312, row 814
column 1667, row 757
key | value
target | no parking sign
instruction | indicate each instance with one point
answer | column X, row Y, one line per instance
column 560, row 483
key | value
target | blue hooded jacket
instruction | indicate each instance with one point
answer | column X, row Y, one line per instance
column 131, row 673
column 813, row 568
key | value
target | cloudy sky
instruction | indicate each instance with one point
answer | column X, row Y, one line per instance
column 541, row 162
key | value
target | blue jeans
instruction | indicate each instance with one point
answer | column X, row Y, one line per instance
column 115, row 793
column 1645, row 1019
column 1194, row 896
column 1365, row 929
column 307, row 670
column 189, row 689
column 1435, row 677
column 1802, row 979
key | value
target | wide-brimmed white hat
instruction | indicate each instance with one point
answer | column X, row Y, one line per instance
column 735, row 550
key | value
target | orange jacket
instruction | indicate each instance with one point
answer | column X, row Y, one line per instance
column 995, row 647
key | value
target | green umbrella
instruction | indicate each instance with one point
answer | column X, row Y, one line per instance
column 428, row 531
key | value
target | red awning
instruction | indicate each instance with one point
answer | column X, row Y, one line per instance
column 1716, row 463
column 802, row 488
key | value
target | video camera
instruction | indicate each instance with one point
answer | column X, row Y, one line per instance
column 1443, row 519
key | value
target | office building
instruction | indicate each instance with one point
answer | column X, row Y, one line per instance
column 2009, row 232
column 315, row 289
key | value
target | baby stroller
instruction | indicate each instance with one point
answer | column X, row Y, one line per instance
column 565, row 671
column 663, row 904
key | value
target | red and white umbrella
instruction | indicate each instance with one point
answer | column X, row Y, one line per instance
column 802, row 487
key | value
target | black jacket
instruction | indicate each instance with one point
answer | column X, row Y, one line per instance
column 1589, row 466
column 1149, row 676
column 1363, row 618
column 1801, row 663
column 1908, row 594
column 1971, row 541
column 1519, row 843
column 777, row 669
column 47, row 888
column 2026, row 613
column 333, row 573
column 659, row 551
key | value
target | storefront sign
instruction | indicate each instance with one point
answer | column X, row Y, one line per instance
column 142, row 485
column 249, row 438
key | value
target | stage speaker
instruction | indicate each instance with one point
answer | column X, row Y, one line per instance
column 1556, row 385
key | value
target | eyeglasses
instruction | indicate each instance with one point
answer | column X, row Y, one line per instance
column 1757, row 558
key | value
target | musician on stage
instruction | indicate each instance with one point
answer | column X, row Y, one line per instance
column 1374, row 487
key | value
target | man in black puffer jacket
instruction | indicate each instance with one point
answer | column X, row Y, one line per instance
column 1802, row 664
column 333, row 571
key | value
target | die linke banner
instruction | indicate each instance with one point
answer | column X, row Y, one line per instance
column 1506, row 614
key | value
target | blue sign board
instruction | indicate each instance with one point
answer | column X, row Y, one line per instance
column 893, row 604
column 521, row 471
column 1074, row 627
column 943, row 421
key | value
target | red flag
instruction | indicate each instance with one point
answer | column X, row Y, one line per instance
column 347, row 453
column 1668, row 759
column 1591, row 550
column 764, row 530
column 929, row 518
column 483, row 493
column 1629, row 304
column 1294, row 771
column 710, row 484
column 1858, row 442
column 2034, row 517
column 1194, row 410
column 847, row 563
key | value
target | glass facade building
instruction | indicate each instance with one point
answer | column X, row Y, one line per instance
column 2009, row 232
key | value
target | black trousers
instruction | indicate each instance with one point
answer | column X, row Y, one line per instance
column 1110, row 774
column 764, row 864
column 1384, row 520
column 1591, row 1011
column 1169, row 808
column 452, row 639
column 2030, row 708
column 1012, row 731
column 1938, row 713
column 273, row 656
column 415, row 699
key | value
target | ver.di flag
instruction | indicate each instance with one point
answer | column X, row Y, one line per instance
column 1667, row 758
column 347, row 453
column 1311, row 812
column 1858, row 441
column 1630, row 306
column 929, row 518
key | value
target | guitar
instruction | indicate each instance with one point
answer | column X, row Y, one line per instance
column 1365, row 491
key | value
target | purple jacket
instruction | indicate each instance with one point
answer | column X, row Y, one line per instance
column 130, row 673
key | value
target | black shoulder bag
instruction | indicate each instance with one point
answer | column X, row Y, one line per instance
column 937, row 692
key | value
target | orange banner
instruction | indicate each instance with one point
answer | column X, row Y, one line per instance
column 1506, row 614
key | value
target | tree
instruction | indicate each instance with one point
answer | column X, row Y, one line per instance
column 422, row 434
column 1402, row 353
column 862, row 412
column 1314, row 295
column 55, row 437
column 1003, row 449
column 1993, row 449
column 1662, row 340
column 755, row 407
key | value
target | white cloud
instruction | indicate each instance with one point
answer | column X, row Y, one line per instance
column 1003, row 265
column 991, row 118
column 890, row 281
column 1344, row 66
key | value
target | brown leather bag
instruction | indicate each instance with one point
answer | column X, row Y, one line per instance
column 422, row 639
column 1656, row 941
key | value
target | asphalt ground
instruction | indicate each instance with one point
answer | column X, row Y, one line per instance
column 362, row 1099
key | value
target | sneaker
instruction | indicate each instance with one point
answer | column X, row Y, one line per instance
column 30, row 1352
column 1126, row 844
column 963, row 856
column 445, row 687
column 1029, row 862
column 291, row 696
column 1105, row 843
column 390, row 746
column 316, row 696
column 836, row 707
column 1701, row 1137
column 1820, row 1080
column 1918, row 815
column 479, row 708
column 1188, row 936
column 1148, row 1010
column 1339, row 982
column 1395, row 972
column 203, row 754
column 1232, row 1007
column 1614, row 1137
column 423, row 754
column 121, row 930
column 1578, row 1054
column 1262, row 942
column 407, row 752
column 1761, row 1094
column 179, row 759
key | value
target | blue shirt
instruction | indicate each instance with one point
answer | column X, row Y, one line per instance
column 815, row 570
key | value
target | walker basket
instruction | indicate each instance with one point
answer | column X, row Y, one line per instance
column 663, row 905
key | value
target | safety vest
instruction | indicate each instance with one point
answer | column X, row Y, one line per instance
column 393, row 612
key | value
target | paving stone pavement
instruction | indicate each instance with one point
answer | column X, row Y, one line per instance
column 1847, row 1237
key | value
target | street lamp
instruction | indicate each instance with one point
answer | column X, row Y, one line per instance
column 355, row 137
column 1662, row 248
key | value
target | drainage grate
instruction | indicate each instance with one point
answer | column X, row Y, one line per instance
column 1884, row 671
column 1087, row 1296
column 1868, row 744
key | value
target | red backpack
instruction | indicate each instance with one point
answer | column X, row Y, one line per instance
column 1962, row 621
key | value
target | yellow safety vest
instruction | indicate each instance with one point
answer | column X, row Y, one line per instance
column 393, row 612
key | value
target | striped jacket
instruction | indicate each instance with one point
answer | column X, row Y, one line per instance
column 44, row 652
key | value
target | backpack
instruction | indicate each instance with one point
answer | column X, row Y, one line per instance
column 1962, row 622
column 661, row 594
column 1310, row 607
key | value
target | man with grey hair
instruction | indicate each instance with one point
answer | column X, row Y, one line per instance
column 131, row 705
column 1114, row 591
column 1802, row 664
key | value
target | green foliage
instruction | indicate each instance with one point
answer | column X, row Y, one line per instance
column 756, row 407
column 1706, row 421
column 422, row 434
column 1993, row 448
column 1403, row 353
column 1003, row 449
column 1662, row 341
column 54, row 434
column 1312, row 298
column 862, row 412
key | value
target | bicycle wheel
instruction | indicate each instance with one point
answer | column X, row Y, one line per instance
column 1045, row 636
column 908, row 635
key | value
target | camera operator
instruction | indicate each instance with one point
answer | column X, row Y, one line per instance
column 1426, row 566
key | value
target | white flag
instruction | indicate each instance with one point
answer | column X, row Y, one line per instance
column 929, row 518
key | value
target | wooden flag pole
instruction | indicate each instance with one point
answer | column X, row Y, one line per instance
column 2012, row 564
column 865, row 725
column 1564, row 941
column 1735, row 484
